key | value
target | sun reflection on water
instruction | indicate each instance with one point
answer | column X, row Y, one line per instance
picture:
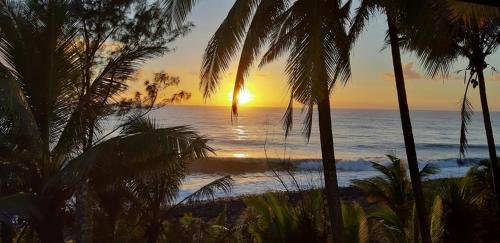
column 240, row 155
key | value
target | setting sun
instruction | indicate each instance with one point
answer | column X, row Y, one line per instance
column 243, row 97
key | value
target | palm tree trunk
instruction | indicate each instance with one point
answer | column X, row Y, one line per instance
column 7, row 233
column 411, row 152
column 50, row 229
column 153, row 232
column 84, row 214
column 329, row 167
column 495, row 170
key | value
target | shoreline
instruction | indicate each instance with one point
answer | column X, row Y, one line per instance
column 209, row 209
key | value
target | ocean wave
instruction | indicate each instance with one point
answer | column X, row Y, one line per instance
column 366, row 164
column 447, row 146
column 256, row 165
column 450, row 146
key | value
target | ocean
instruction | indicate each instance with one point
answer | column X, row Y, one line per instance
column 245, row 145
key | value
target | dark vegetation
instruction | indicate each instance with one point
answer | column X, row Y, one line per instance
column 67, row 65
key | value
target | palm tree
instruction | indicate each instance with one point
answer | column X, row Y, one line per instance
column 393, row 11
column 41, row 120
column 392, row 189
column 149, row 199
column 454, row 31
column 313, row 34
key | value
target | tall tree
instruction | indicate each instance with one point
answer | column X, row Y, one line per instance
column 393, row 10
column 109, row 32
column 454, row 31
column 42, row 123
column 312, row 33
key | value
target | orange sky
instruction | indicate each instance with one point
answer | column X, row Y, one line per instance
column 371, row 87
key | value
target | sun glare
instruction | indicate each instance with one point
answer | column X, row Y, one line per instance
column 243, row 97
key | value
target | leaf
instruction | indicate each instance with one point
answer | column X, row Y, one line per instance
column 14, row 107
column 127, row 155
column 437, row 224
column 178, row 10
column 256, row 37
column 21, row 204
column 355, row 223
column 223, row 184
column 224, row 44
column 107, row 84
column 466, row 112
column 140, row 124
column 429, row 169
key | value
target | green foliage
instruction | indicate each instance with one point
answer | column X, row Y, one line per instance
column 393, row 188
column 356, row 227
column 479, row 178
column 278, row 221
column 458, row 204
column 393, row 219
column 190, row 229
column 58, row 78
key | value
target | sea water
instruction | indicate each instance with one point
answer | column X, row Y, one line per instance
column 360, row 136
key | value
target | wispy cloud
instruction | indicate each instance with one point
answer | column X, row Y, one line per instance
column 409, row 71
column 495, row 77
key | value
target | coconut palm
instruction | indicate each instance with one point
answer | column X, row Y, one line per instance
column 393, row 190
column 393, row 10
column 456, row 31
column 313, row 35
column 41, row 121
column 279, row 221
column 455, row 204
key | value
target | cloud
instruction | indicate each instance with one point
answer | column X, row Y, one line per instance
column 409, row 71
column 495, row 77
column 460, row 77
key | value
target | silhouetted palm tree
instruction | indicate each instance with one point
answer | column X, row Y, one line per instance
column 148, row 199
column 393, row 9
column 41, row 120
column 312, row 33
column 461, row 30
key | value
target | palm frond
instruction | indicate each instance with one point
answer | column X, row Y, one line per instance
column 429, row 169
column 308, row 111
column 466, row 112
column 38, row 48
column 317, row 50
column 208, row 191
column 224, row 44
column 21, row 204
column 256, row 37
column 361, row 17
column 356, row 227
column 142, row 124
column 178, row 10
column 22, row 129
column 387, row 227
column 127, row 155
column 437, row 224
column 288, row 118
column 105, row 86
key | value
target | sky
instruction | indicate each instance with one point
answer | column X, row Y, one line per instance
column 370, row 87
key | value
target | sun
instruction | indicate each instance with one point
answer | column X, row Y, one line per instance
column 243, row 97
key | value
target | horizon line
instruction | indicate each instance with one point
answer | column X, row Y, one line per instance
column 333, row 108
